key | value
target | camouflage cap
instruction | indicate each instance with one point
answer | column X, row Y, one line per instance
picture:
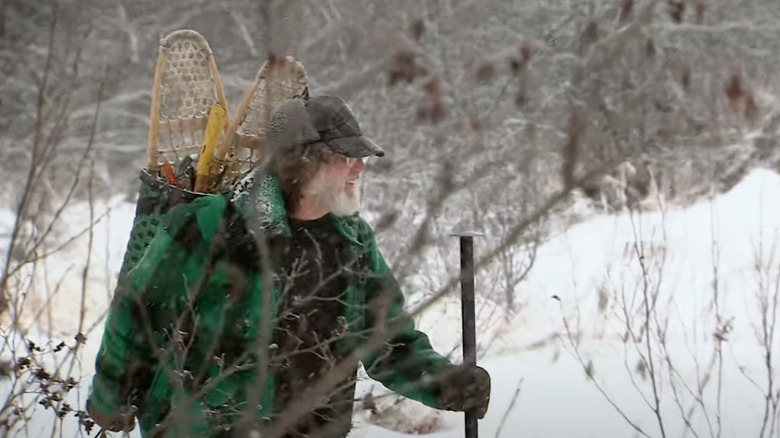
column 327, row 119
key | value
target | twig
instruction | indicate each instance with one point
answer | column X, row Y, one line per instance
column 509, row 408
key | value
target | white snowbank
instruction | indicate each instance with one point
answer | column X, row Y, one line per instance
column 593, row 269
column 54, row 298
column 49, row 311
column 691, row 256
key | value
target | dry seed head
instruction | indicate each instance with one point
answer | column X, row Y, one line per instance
column 591, row 33
column 676, row 10
column 521, row 98
column 518, row 64
column 735, row 91
column 433, row 87
column 685, row 75
column 650, row 47
column 431, row 109
column 418, row 29
column 485, row 71
column 699, row 7
column 475, row 124
column 571, row 149
column 515, row 66
column 473, row 129
column 526, row 52
column 590, row 370
column 626, row 7
column 404, row 68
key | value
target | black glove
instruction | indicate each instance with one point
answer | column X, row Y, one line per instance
column 465, row 388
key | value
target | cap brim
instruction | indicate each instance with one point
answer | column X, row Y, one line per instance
column 356, row 147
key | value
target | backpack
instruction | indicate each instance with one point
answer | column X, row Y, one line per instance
column 194, row 146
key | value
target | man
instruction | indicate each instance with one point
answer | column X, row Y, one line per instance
column 240, row 306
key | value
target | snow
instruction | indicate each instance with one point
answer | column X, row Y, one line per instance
column 54, row 301
column 707, row 269
column 51, row 310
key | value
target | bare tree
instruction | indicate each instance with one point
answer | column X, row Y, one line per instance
column 496, row 115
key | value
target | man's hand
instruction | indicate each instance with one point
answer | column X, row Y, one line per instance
column 465, row 388
column 118, row 422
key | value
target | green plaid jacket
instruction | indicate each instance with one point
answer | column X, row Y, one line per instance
column 182, row 338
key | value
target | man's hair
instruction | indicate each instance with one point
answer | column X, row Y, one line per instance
column 297, row 165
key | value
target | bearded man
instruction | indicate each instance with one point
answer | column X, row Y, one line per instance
column 243, row 303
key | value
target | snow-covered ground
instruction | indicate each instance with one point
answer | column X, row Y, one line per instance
column 708, row 272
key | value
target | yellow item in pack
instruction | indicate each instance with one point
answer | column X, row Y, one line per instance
column 215, row 124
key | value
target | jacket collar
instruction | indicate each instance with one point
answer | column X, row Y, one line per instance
column 260, row 201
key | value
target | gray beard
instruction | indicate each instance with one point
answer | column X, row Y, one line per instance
column 333, row 197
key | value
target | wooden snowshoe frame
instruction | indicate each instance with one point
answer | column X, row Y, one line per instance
column 278, row 80
column 189, row 119
column 187, row 97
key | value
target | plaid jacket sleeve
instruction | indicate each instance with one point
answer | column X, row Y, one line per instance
column 127, row 353
column 407, row 363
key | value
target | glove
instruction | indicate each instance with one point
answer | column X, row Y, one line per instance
column 465, row 388
column 119, row 422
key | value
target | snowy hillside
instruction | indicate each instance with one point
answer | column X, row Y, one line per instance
column 708, row 276
column 709, row 271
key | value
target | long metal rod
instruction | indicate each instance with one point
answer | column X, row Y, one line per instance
column 468, row 317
